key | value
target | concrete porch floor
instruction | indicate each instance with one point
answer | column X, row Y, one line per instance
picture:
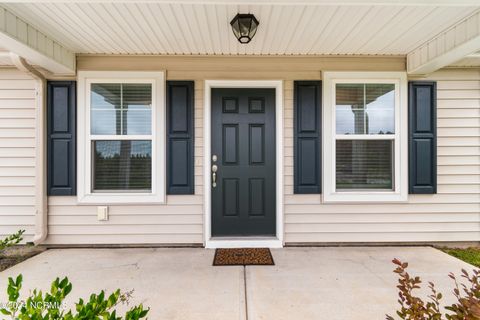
column 306, row 283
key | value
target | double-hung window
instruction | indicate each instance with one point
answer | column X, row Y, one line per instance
column 121, row 119
column 365, row 136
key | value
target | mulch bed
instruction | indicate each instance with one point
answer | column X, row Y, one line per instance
column 243, row 257
column 16, row 254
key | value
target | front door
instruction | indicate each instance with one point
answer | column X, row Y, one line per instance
column 243, row 162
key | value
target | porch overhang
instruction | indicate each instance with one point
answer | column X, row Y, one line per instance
column 448, row 47
column 428, row 34
column 23, row 39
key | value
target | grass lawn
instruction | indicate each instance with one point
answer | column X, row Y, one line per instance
column 469, row 255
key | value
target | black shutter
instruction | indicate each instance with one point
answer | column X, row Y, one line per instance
column 61, row 138
column 180, row 137
column 307, row 136
column 422, row 138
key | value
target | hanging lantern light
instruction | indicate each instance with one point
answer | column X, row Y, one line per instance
column 244, row 27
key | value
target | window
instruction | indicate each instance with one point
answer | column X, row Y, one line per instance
column 121, row 124
column 121, row 136
column 365, row 136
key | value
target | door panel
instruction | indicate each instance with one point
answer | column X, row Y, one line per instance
column 243, row 140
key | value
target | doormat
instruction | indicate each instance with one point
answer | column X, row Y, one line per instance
column 243, row 257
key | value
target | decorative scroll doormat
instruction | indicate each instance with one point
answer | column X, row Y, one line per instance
column 243, row 257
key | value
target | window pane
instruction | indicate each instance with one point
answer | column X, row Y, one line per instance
column 121, row 109
column 137, row 106
column 106, row 105
column 350, row 115
column 122, row 165
column 380, row 99
column 364, row 164
column 365, row 108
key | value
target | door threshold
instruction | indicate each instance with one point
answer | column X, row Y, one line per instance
column 243, row 242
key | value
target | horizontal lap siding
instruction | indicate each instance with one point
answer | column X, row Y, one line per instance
column 179, row 221
column 451, row 215
column 17, row 153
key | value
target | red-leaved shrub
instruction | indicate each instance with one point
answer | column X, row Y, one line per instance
column 413, row 307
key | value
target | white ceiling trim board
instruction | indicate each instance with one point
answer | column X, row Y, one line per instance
column 446, row 48
column 452, row 3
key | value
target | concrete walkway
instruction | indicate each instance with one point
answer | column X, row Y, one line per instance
column 306, row 283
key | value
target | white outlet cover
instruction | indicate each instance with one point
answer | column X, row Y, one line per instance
column 102, row 213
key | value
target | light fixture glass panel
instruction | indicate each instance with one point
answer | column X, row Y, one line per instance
column 236, row 29
column 244, row 26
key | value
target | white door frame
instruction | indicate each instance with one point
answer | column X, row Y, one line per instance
column 240, row 242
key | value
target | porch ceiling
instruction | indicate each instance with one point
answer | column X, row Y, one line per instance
column 311, row 28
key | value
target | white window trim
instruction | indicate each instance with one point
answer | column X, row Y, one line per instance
column 400, row 192
column 84, row 174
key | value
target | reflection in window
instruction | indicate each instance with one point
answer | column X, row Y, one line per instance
column 122, row 165
column 121, row 109
column 364, row 164
column 105, row 109
column 365, row 108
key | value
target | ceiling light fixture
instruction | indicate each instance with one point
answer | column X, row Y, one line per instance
column 244, row 27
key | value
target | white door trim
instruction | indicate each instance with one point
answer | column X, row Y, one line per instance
column 276, row 242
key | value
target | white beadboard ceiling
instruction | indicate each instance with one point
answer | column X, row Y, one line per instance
column 189, row 28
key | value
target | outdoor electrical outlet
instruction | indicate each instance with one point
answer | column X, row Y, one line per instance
column 102, row 213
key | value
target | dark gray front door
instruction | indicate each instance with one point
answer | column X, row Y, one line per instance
column 243, row 142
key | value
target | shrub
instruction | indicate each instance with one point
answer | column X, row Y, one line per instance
column 413, row 307
column 11, row 240
column 50, row 306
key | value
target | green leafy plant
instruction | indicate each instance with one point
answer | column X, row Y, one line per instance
column 413, row 307
column 50, row 306
column 11, row 240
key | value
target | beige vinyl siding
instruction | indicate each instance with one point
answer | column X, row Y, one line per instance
column 452, row 214
column 17, row 152
column 179, row 221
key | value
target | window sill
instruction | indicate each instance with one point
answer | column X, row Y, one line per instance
column 364, row 197
column 120, row 198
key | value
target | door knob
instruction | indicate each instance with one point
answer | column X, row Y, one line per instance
column 214, row 175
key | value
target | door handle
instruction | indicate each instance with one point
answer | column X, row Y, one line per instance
column 214, row 175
